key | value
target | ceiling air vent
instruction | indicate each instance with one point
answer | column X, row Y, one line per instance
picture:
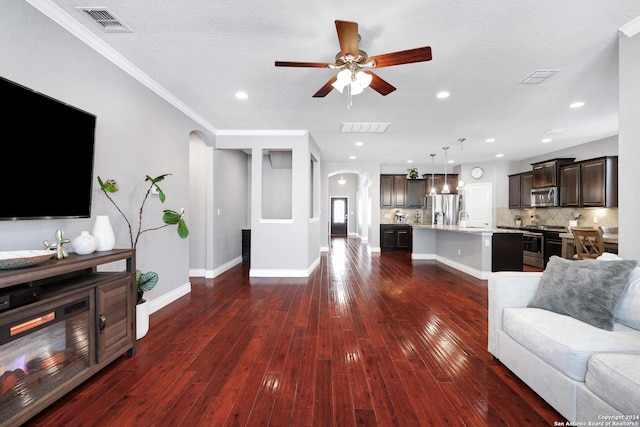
column 105, row 20
column 364, row 127
column 538, row 76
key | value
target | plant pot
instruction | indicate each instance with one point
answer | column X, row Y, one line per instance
column 518, row 222
column 142, row 319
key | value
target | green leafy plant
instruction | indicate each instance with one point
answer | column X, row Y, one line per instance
column 146, row 281
column 517, row 217
column 413, row 173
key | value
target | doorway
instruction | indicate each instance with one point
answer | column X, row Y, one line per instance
column 339, row 216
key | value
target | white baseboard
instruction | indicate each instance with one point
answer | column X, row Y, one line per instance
column 210, row 274
column 169, row 297
column 478, row 274
column 254, row 272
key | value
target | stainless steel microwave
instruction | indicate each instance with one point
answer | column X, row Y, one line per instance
column 544, row 197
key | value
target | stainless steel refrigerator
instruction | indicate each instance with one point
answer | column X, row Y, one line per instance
column 444, row 208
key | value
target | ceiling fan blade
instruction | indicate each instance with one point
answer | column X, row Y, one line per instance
column 379, row 85
column 302, row 64
column 348, row 38
column 403, row 57
column 324, row 90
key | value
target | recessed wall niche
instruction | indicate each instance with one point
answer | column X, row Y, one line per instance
column 277, row 184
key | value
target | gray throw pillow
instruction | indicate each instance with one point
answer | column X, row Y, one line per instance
column 586, row 290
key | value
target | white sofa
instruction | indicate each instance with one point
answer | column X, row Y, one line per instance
column 586, row 373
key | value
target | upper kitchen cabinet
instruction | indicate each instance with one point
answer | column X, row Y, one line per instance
column 416, row 192
column 514, row 191
column 570, row 185
column 393, row 191
column 545, row 174
column 599, row 182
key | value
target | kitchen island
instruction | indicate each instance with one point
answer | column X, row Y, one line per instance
column 474, row 251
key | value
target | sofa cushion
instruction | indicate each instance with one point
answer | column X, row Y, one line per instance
column 615, row 378
column 564, row 342
column 587, row 290
column 628, row 310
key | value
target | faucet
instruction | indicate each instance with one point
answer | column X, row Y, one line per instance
column 461, row 222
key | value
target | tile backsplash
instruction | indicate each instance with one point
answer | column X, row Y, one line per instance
column 605, row 217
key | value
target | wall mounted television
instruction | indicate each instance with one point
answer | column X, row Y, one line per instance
column 47, row 153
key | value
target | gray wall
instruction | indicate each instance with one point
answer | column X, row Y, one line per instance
column 137, row 133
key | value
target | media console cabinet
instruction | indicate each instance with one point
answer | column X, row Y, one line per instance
column 82, row 320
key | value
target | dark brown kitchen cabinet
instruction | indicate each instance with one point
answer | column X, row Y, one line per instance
column 599, row 182
column 392, row 191
column 545, row 174
column 526, row 184
column 514, row 191
column 396, row 238
column 570, row 185
column 416, row 192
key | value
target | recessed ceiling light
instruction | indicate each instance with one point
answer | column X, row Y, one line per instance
column 242, row 95
column 490, row 140
column 577, row 104
column 352, row 157
column 443, row 94
column 547, row 140
column 499, row 155
column 451, row 161
column 409, row 161
column 359, row 143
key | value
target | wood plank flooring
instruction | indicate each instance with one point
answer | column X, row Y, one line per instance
column 367, row 340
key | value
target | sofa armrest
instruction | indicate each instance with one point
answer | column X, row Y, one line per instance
column 508, row 289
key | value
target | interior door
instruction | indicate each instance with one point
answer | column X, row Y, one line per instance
column 339, row 216
column 478, row 202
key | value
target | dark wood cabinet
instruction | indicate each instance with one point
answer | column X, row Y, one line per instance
column 599, row 182
column 514, row 191
column 545, row 174
column 392, row 191
column 82, row 320
column 416, row 192
column 526, row 184
column 570, row 185
column 396, row 237
column 506, row 252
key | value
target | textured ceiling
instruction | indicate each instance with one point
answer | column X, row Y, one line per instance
column 203, row 51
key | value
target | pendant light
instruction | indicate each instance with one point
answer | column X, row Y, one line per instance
column 433, row 179
column 445, row 187
column 461, row 181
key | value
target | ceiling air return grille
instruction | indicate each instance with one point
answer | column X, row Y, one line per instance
column 364, row 127
column 105, row 20
column 538, row 76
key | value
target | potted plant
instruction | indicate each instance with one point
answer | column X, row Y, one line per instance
column 145, row 281
column 413, row 173
column 518, row 219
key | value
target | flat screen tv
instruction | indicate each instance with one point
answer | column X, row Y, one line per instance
column 47, row 151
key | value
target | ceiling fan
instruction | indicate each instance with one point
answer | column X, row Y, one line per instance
column 355, row 64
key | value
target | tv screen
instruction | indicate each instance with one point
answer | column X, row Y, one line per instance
column 47, row 156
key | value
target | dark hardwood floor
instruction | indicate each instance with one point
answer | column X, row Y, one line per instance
column 368, row 339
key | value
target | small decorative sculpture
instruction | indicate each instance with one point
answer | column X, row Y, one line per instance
column 61, row 252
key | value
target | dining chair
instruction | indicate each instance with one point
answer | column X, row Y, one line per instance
column 588, row 241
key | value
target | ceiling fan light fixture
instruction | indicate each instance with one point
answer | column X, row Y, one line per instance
column 363, row 79
column 342, row 79
column 356, row 88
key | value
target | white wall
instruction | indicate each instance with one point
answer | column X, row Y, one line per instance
column 629, row 147
column 137, row 134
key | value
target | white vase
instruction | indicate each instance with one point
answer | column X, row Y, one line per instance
column 102, row 231
column 142, row 319
column 84, row 244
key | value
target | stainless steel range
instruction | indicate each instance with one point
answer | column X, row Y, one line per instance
column 533, row 248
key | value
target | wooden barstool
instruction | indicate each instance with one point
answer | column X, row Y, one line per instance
column 588, row 241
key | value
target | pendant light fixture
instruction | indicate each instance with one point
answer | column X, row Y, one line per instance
column 433, row 179
column 342, row 181
column 445, row 187
column 461, row 181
